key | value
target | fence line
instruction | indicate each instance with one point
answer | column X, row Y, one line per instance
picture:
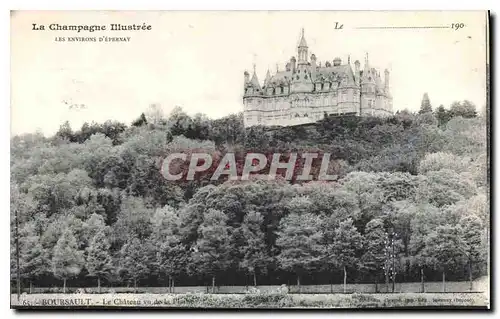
column 479, row 285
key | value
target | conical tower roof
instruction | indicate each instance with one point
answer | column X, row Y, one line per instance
column 268, row 78
column 302, row 42
column 255, row 80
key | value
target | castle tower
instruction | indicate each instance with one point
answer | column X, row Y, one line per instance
column 368, row 89
column 302, row 49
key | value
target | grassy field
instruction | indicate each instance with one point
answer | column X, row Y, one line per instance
column 251, row 300
column 478, row 285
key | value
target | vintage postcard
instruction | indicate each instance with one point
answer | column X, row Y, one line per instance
column 242, row 160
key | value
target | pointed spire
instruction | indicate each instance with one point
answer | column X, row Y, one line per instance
column 302, row 42
column 255, row 80
column 268, row 78
column 349, row 59
column 367, row 67
column 277, row 68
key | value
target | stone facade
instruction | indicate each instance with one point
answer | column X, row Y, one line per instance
column 305, row 91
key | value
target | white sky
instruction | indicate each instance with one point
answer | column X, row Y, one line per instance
column 196, row 60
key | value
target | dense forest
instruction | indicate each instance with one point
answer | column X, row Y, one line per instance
column 411, row 200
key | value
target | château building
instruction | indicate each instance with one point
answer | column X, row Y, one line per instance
column 306, row 90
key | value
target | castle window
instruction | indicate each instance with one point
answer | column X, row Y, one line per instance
column 305, row 77
column 297, row 77
column 298, row 71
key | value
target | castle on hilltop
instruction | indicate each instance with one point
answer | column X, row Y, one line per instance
column 305, row 91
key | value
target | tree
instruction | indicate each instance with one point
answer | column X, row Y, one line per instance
column 254, row 250
column 67, row 260
column 300, row 240
column 171, row 254
column 134, row 260
column 65, row 132
column 444, row 187
column 443, row 160
column 442, row 115
column 33, row 258
column 346, row 245
column 155, row 115
column 425, row 105
column 465, row 109
column 99, row 262
column 140, row 121
column 471, row 237
column 373, row 258
column 180, row 123
column 212, row 252
column 444, row 249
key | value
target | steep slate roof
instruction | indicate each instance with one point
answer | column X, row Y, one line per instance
column 255, row 81
column 326, row 73
column 280, row 77
column 332, row 72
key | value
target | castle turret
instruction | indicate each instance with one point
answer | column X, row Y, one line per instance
column 356, row 70
column 247, row 77
column 367, row 67
column 293, row 64
column 313, row 61
column 386, row 80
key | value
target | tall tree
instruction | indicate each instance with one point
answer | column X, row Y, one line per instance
column 346, row 246
column 465, row 109
column 171, row 254
column 67, row 260
column 474, row 249
column 300, row 240
column 33, row 257
column 134, row 260
column 373, row 258
column 444, row 249
column 99, row 262
column 212, row 252
column 254, row 250
column 425, row 105
column 442, row 115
